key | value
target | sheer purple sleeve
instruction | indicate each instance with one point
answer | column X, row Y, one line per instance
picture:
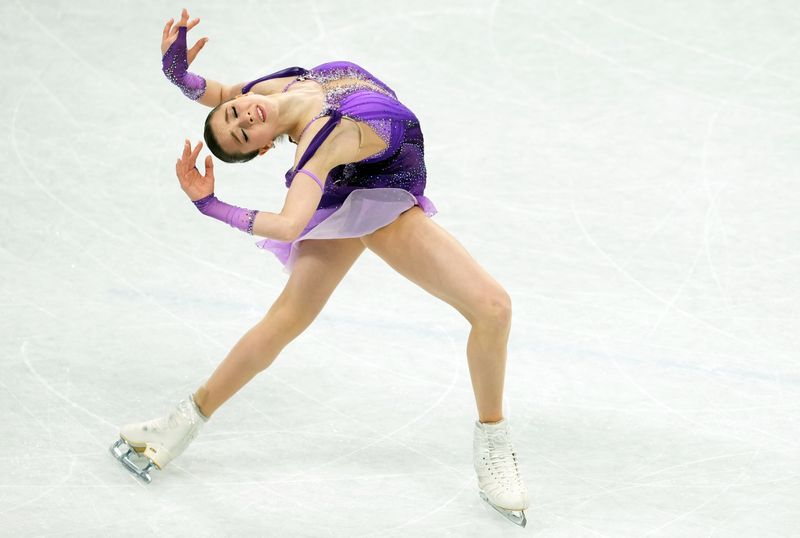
column 174, row 64
column 238, row 217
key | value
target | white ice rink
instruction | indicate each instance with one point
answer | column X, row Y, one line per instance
column 627, row 170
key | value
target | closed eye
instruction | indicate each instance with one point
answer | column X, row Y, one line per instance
column 245, row 136
column 235, row 115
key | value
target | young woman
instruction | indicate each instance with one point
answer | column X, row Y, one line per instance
column 357, row 182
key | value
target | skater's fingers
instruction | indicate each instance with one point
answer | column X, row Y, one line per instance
column 174, row 30
column 182, row 166
column 199, row 45
column 185, row 158
column 184, row 17
column 209, row 166
column 167, row 28
column 179, row 171
column 186, row 150
column 189, row 162
column 190, row 55
column 196, row 152
column 193, row 24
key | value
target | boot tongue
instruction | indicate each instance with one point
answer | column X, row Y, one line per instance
column 491, row 426
column 498, row 436
column 495, row 429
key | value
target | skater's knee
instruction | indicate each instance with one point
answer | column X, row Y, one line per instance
column 492, row 309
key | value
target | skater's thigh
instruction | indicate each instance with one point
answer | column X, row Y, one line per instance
column 426, row 254
column 319, row 267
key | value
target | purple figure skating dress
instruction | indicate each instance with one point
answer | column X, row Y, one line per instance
column 359, row 197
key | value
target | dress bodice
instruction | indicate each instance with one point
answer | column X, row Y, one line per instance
column 353, row 92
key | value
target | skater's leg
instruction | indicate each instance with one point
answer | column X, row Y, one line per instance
column 425, row 253
column 320, row 266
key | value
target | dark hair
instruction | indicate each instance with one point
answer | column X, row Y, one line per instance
column 212, row 143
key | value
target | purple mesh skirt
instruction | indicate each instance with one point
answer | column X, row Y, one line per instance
column 362, row 212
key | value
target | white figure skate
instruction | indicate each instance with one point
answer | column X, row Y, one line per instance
column 160, row 440
column 498, row 472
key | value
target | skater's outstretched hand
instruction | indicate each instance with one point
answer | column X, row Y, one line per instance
column 194, row 184
column 170, row 34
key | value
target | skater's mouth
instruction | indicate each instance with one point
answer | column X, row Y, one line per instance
column 261, row 114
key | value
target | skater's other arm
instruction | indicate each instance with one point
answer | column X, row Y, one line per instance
column 200, row 190
column 304, row 195
column 308, row 184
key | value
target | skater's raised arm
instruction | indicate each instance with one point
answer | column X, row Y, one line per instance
column 175, row 61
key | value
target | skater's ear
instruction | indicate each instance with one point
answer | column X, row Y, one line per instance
column 266, row 148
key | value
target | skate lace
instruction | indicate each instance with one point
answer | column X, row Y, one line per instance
column 503, row 459
column 172, row 421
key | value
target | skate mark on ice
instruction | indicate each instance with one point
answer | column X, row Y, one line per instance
column 26, row 360
column 442, row 396
column 117, row 81
column 704, row 173
column 169, row 251
column 650, row 77
column 72, row 463
column 469, row 482
column 680, row 44
column 742, row 473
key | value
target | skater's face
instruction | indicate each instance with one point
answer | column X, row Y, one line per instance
column 245, row 124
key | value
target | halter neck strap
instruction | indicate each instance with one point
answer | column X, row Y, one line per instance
column 315, row 118
column 319, row 138
column 288, row 72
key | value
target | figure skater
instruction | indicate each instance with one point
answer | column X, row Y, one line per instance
column 357, row 182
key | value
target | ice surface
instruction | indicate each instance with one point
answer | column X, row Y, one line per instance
column 628, row 171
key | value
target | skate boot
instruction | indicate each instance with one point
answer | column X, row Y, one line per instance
column 498, row 472
column 158, row 441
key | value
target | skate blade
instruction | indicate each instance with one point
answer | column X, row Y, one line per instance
column 122, row 452
column 516, row 517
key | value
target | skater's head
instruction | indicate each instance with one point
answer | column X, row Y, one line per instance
column 242, row 128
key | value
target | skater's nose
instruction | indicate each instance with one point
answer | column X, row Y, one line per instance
column 245, row 120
